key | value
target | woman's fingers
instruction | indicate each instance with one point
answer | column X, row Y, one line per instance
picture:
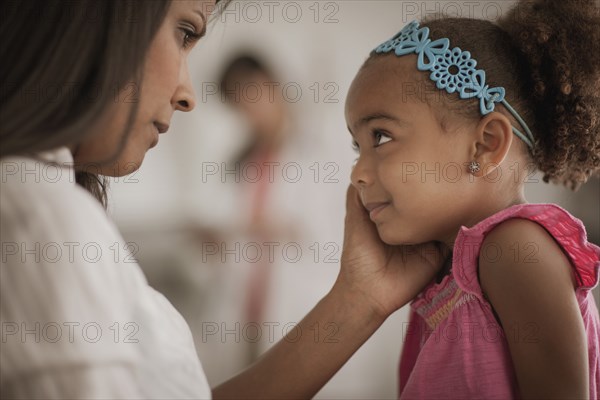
column 357, row 217
column 354, row 207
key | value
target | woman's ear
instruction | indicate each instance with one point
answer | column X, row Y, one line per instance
column 492, row 142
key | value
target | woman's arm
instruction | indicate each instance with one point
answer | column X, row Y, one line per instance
column 374, row 281
column 310, row 354
column 534, row 298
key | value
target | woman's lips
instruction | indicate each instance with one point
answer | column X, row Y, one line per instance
column 156, row 133
column 159, row 127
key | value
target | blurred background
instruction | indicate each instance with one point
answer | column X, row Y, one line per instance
column 244, row 252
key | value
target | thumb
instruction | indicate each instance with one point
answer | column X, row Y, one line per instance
column 359, row 229
column 356, row 214
column 354, row 207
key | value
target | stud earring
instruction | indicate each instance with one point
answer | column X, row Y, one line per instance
column 474, row 166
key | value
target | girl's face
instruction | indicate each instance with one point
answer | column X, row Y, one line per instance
column 410, row 174
column 166, row 88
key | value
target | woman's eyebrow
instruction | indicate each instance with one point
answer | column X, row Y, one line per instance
column 203, row 32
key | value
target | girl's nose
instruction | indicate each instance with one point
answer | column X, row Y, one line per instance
column 362, row 172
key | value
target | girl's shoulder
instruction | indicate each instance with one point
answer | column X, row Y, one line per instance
column 537, row 277
column 524, row 234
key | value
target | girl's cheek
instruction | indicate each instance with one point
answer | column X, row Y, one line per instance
column 388, row 174
column 391, row 164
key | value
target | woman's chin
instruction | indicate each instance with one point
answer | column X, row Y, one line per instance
column 123, row 167
column 129, row 161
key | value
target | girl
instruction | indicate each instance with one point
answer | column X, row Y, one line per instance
column 448, row 117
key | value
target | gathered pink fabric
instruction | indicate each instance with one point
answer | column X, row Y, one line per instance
column 454, row 347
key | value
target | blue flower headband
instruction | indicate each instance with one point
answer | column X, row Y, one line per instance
column 468, row 81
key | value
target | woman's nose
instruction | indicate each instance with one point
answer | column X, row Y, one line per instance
column 184, row 98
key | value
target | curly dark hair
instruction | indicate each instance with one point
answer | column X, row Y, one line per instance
column 561, row 42
column 546, row 54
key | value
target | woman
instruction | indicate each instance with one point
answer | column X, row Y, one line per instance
column 87, row 90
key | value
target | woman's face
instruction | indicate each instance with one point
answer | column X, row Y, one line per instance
column 166, row 88
column 407, row 164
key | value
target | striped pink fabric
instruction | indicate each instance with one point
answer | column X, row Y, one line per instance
column 453, row 345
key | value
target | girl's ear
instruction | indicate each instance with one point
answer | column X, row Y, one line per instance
column 492, row 142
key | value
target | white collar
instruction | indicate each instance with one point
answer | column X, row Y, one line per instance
column 52, row 166
column 60, row 155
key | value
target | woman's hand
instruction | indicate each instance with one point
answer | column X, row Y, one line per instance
column 375, row 280
column 387, row 277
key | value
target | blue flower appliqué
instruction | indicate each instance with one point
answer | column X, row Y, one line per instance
column 487, row 96
column 420, row 43
column 401, row 36
column 453, row 69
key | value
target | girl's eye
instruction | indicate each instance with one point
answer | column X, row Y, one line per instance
column 355, row 146
column 380, row 138
column 189, row 37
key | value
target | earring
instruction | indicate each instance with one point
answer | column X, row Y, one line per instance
column 474, row 166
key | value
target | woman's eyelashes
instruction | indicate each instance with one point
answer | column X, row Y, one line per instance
column 189, row 36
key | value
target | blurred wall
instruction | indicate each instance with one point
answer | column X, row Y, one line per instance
column 176, row 201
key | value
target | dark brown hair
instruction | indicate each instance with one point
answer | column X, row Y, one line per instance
column 75, row 57
column 63, row 62
column 545, row 53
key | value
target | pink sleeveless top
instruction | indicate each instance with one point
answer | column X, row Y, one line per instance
column 453, row 345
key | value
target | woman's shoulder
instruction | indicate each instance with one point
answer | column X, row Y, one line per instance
column 41, row 184
column 523, row 235
column 41, row 200
column 58, row 238
column 72, row 292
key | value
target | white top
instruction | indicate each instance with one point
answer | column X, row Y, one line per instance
column 78, row 319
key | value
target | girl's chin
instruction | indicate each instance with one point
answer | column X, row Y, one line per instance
column 394, row 238
column 390, row 238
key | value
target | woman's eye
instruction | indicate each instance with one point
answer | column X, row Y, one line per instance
column 189, row 37
column 381, row 138
column 355, row 146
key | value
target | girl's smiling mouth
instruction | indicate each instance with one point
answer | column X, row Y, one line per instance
column 375, row 208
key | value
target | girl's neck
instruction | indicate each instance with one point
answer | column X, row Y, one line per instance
column 447, row 267
column 479, row 215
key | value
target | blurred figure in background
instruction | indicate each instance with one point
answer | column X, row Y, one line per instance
column 247, row 85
